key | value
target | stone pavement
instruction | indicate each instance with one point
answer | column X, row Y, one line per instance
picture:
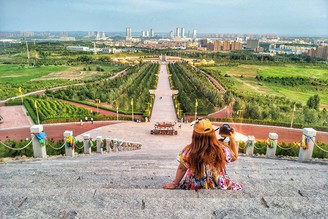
column 163, row 109
column 14, row 116
column 128, row 184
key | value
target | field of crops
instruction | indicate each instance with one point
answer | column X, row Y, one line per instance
column 192, row 86
column 119, row 92
column 48, row 109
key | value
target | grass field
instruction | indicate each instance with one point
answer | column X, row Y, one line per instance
column 15, row 73
column 248, row 83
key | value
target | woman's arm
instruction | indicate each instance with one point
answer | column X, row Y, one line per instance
column 178, row 176
column 233, row 148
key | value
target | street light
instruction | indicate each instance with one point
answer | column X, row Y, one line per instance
column 196, row 105
column 21, row 94
column 97, row 102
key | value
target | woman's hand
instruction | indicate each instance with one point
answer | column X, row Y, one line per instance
column 171, row 185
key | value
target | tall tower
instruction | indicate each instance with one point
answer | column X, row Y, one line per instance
column 194, row 34
column 98, row 36
column 182, row 32
column 103, row 37
column 152, row 34
column 128, row 35
column 177, row 32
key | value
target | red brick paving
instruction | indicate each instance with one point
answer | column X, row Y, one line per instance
column 54, row 131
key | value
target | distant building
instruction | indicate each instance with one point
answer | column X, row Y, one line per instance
column 194, row 34
column 128, row 35
column 203, row 43
column 226, row 45
column 217, row 45
column 28, row 34
column 177, row 32
column 210, row 46
column 252, row 44
column 183, row 32
column 78, row 48
column 152, row 33
column 67, row 38
column 236, row 45
column 171, row 34
column 321, row 52
column 98, row 36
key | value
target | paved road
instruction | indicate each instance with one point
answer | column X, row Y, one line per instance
column 163, row 109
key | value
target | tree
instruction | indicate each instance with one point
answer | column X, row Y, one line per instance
column 313, row 102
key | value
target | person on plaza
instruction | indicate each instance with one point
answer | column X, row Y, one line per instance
column 204, row 161
column 91, row 120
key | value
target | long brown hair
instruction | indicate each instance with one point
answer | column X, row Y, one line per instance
column 205, row 149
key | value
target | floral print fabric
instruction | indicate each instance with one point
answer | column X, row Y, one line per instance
column 213, row 178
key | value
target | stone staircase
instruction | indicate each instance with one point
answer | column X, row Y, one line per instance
column 128, row 185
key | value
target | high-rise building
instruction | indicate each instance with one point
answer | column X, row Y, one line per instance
column 236, row 45
column 217, row 45
column 210, row 46
column 252, row 44
column 98, row 36
column 152, row 33
column 203, row 43
column 128, row 35
column 194, row 34
column 226, row 45
column 322, row 52
column 171, row 34
column 182, row 32
column 103, row 37
column 177, row 32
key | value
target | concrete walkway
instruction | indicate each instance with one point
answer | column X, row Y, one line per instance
column 163, row 109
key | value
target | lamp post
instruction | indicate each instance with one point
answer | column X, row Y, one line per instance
column 293, row 112
column 116, row 112
column 97, row 102
column 21, row 94
column 36, row 109
column 132, row 108
column 177, row 106
column 196, row 106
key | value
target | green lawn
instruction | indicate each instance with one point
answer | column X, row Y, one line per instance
column 248, row 84
column 16, row 73
column 292, row 71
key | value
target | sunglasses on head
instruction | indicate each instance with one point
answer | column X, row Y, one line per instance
column 198, row 120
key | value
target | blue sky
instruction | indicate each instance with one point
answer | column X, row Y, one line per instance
column 284, row 17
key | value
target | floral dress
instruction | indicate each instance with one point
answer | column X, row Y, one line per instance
column 213, row 178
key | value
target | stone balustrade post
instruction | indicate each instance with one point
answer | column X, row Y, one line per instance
column 273, row 139
column 69, row 149
column 115, row 145
column 86, row 145
column 99, row 144
column 250, row 145
column 237, row 145
column 39, row 150
column 108, row 145
column 306, row 149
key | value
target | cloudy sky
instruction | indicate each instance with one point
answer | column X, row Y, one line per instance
column 285, row 17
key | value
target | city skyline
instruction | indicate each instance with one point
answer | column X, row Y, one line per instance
column 293, row 17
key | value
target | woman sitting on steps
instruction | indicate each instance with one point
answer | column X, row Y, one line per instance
column 205, row 160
